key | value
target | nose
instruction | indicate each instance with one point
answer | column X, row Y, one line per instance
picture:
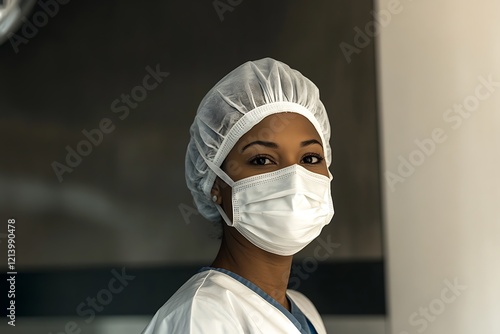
column 289, row 160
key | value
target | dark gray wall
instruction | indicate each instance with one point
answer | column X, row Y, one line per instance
column 122, row 203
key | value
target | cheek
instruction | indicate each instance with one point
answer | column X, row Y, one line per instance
column 320, row 169
column 227, row 205
column 233, row 168
column 324, row 170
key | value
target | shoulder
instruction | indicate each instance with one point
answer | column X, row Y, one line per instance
column 300, row 299
column 308, row 308
column 201, row 305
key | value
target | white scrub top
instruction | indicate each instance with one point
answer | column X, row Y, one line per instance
column 217, row 301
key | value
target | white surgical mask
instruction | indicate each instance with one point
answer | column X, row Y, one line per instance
column 280, row 212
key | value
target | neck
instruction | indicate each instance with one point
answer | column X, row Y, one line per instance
column 268, row 271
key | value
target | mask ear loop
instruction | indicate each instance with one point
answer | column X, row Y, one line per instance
column 220, row 173
column 223, row 215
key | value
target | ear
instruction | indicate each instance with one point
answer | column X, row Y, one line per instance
column 216, row 191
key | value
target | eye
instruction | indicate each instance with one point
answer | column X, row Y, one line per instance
column 261, row 161
column 312, row 159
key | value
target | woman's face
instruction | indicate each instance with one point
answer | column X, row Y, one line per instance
column 278, row 141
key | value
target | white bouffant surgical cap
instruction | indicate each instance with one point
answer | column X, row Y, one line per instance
column 233, row 106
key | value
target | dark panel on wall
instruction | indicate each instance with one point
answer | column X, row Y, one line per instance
column 353, row 289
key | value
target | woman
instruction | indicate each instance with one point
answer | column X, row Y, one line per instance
column 257, row 162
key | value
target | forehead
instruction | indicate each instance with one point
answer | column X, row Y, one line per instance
column 281, row 125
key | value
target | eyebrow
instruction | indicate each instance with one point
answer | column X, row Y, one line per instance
column 310, row 142
column 270, row 144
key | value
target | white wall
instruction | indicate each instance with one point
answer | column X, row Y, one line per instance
column 443, row 218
